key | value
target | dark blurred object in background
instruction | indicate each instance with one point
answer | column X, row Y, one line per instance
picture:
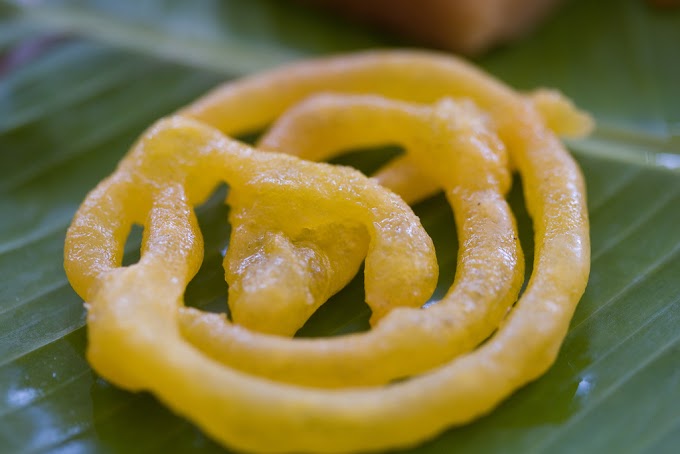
column 465, row 26
column 665, row 3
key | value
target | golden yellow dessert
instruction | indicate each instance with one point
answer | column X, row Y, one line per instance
column 300, row 232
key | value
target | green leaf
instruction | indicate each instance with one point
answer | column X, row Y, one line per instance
column 67, row 116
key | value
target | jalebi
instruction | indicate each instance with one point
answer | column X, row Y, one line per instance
column 301, row 231
column 448, row 136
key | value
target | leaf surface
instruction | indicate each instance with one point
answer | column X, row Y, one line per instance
column 67, row 116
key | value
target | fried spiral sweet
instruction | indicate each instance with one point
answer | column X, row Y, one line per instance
column 301, row 230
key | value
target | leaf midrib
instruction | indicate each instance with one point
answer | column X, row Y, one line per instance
column 243, row 57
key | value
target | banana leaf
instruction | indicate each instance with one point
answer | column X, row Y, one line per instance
column 79, row 80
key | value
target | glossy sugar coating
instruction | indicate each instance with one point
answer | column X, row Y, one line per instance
column 453, row 142
column 133, row 318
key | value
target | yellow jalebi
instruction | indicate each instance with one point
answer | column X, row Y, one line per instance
column 261, row 392
column 449, row 136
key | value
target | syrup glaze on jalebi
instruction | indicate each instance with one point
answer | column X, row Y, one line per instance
column 302, row 229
